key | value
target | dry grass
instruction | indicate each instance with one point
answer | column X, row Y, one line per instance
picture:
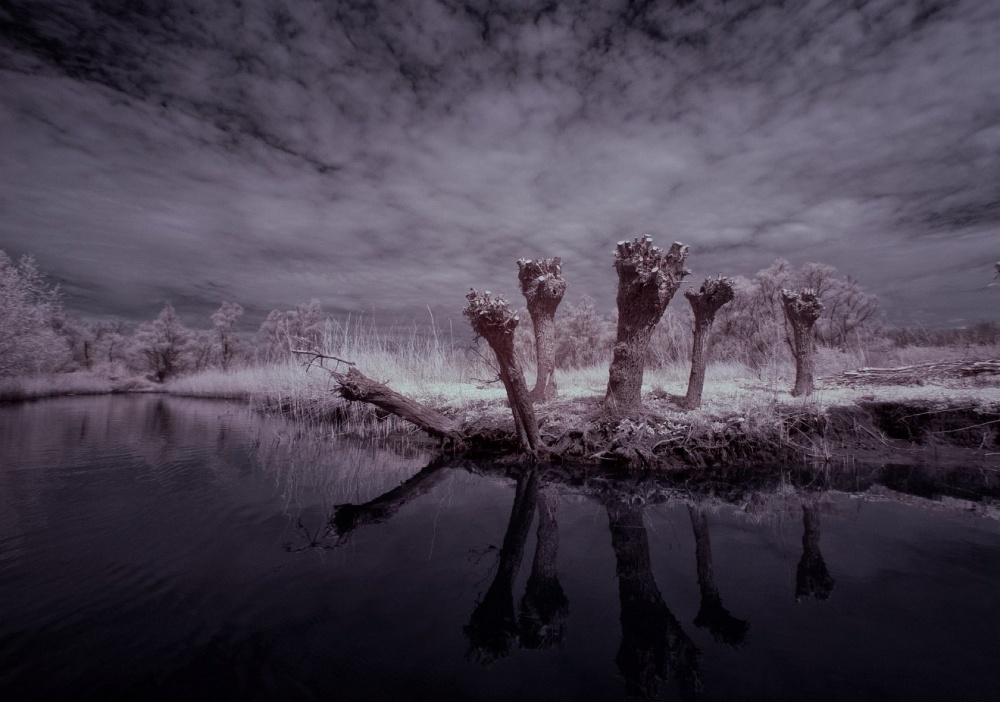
column 98, row 382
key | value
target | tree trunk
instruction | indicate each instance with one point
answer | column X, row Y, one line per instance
column 812, row 579
column 492, row 627
column 654, row 645
column 543, row 287
column 714, row 293
column 544, row 607
column 357, row 387
column 648, row 277
column 492, row 319
column 802, row 309
column 712, row 615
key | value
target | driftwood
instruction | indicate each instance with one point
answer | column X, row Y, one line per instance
column 917, row 374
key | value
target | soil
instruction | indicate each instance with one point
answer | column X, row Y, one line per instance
column 870, row 432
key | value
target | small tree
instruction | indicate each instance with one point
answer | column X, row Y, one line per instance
column 802, row 309
column 224, row 320
column 164, row 344
column 714, row 293
column 543, row 287
column 492, row 320
column 648, row 277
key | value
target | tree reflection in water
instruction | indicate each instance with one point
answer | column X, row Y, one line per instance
column 544, row 607
column 493, row 628
column 654, row 645
column 812, row 579
column 725, row 628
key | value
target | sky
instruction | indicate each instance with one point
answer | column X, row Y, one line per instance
column 384, row 157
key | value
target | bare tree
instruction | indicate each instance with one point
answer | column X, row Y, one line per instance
column 224, row 320
column 802, row 309
column 301, row 328
column 714, row 293
column 543, row 287
column 492, row 320
column 648, row 277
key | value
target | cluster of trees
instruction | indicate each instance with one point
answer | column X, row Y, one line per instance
column 37, row 336
column 750, row 329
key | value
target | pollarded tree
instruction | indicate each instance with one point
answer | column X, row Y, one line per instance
column 224, row 320
column 492, row 319
column 802, row 309
column 648, row 277
column 714, row 293
column 543, row 287
column 164, row 344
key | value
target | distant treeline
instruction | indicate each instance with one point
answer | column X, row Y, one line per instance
column 37, row 336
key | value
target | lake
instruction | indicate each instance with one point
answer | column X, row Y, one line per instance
column 155, row 547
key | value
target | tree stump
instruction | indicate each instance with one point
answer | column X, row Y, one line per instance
column 802, row 309
column 714, row 293
column 543, row 287
column 492, row 319
column 648, row 277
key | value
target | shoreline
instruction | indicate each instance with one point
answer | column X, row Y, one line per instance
column 939, row 424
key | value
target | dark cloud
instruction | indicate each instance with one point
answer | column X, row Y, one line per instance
column 387, row 155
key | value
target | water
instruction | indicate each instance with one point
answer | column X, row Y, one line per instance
column 162, row 548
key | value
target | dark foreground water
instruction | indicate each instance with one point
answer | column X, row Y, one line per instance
column 160, row 548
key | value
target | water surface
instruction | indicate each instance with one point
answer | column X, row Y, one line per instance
column 163, row 548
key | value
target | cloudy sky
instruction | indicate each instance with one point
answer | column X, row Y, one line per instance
column 385, row 156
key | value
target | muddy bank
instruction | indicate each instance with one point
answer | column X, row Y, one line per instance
column 662, row 438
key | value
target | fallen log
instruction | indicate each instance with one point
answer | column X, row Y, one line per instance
column 355, row 386
column 917, row 374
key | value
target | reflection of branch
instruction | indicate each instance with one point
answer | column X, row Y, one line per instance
column 712, row 615
column 492, row 629
column 812, row 579
column 317, row 540
column 654, row 645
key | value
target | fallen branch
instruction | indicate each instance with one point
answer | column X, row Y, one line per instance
column 917, row 374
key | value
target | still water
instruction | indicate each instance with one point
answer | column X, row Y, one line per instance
column 163, row 548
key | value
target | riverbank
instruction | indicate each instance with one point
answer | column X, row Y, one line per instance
column 744, row 420
column 754, row 426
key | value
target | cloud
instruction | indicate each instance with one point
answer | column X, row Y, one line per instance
column 388, row 155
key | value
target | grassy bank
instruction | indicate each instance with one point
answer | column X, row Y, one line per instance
column 747, row 414
column 76, row 383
